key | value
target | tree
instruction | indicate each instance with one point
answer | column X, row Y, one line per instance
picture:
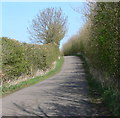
column 48, row 26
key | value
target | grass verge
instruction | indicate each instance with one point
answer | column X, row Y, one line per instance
column 100, row 94
column 10, row 89
column 95, row 88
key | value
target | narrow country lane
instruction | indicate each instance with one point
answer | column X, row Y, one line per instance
column 65, row 94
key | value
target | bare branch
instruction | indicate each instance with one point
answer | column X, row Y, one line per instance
column 48, row 26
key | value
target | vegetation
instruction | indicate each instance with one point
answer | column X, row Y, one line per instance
column 7, row 89
column 99, row 42
column 20, row 59
column 48, row 26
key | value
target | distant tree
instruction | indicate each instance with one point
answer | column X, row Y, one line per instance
column 48, row 26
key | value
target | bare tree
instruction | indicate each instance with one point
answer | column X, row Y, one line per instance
column 48, row 26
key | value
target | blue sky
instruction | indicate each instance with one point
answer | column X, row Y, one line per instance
column 17, row 16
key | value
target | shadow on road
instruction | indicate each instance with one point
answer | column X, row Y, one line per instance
column 69, row 98
column 65, row 94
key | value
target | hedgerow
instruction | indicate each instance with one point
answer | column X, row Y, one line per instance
column 25, row 59
column 99, row 42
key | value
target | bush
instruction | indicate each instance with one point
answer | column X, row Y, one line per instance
column 99, row 41
column 22, row 59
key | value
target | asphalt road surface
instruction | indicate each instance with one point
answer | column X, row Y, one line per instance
column 65, row 94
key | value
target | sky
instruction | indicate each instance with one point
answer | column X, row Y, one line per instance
column 17, row 16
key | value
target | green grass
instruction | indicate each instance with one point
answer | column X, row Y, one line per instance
column 6, row 89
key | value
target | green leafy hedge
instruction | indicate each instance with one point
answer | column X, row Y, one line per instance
column 99, row 41
column 25, row 59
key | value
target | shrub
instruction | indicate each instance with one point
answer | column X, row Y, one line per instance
column 99, row 41
column 22, row 59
